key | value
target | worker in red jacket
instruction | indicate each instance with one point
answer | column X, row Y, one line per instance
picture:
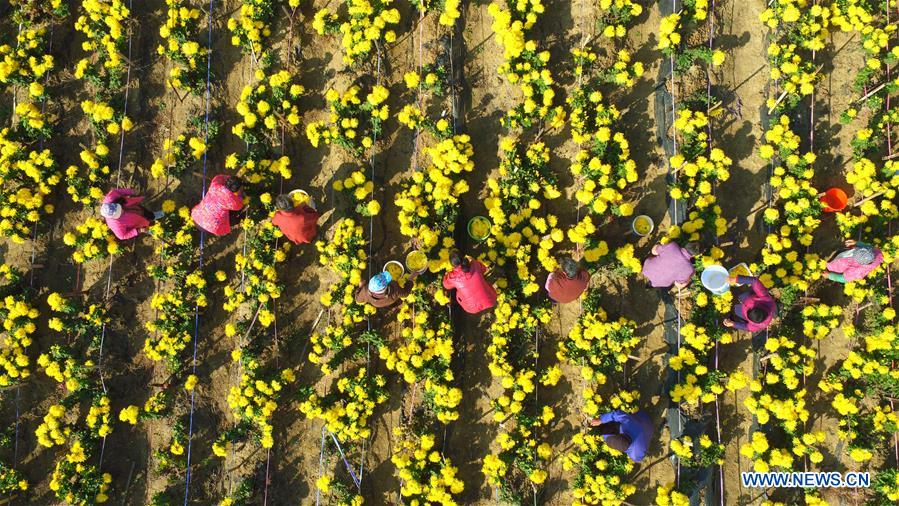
column 568, row 282
column 212, row 214
column 299, row 224
column 473, row 292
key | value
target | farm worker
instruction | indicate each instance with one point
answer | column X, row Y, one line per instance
column 212, row 214
column 473, row 292
column 381, row 290
column 755, row 309
column 670, row 265
column 124, row 215
column 628, row 433
column 298, row 223
column 854, row 263
column 568, row 282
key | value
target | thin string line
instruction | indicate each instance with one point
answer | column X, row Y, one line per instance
column 676, row 219
column 193, row 392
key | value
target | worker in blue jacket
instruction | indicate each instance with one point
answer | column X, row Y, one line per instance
column 629, row 433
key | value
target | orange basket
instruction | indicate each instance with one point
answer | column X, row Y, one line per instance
column 834, row 200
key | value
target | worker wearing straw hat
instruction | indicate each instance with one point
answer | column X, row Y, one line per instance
column 382, row 290
column 299, row 223
column 124, row 214
column 629, row 433
column 855, row 263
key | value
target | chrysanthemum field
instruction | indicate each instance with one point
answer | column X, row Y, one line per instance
column 180, row 367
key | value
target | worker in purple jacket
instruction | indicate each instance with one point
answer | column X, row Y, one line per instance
column 629, row 433
column 755, row 309
column 670, row 265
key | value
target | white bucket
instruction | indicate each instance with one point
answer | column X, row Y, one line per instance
column 642, row 225
column 714, row 279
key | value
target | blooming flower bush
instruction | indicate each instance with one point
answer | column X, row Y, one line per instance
column 425, row 475
column 354, row 122
column 182, row 151
column 91, row 240
column 19, row 317
column 181, row 287
column 29, row 176
column 364, row 29
column 449, row 9
column 603, row 164
column 76, row 479
column 525, row 66
column 675, row 41
column 28, row 170
column 180, row 45
column 429, row 200
column 252, row 25
column 103, row 24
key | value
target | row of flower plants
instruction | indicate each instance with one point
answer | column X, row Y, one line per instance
column 522, row 236
column 30, row 174
column 268, row 109
column 181, row 290
column 20, row 317
column 863, row 386
column 603, row 169
column 343, row 346
column 429, row 203
column 781, row 438
column 28, row 169
column 181, row 287
column 696, row 169
column 342, row 350
column 80, row 420
column 103, row 71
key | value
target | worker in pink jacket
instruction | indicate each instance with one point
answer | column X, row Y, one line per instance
column 212, row 214
column 855, row 263
column 755, row 309
column 473, row 292
column 124, row 215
